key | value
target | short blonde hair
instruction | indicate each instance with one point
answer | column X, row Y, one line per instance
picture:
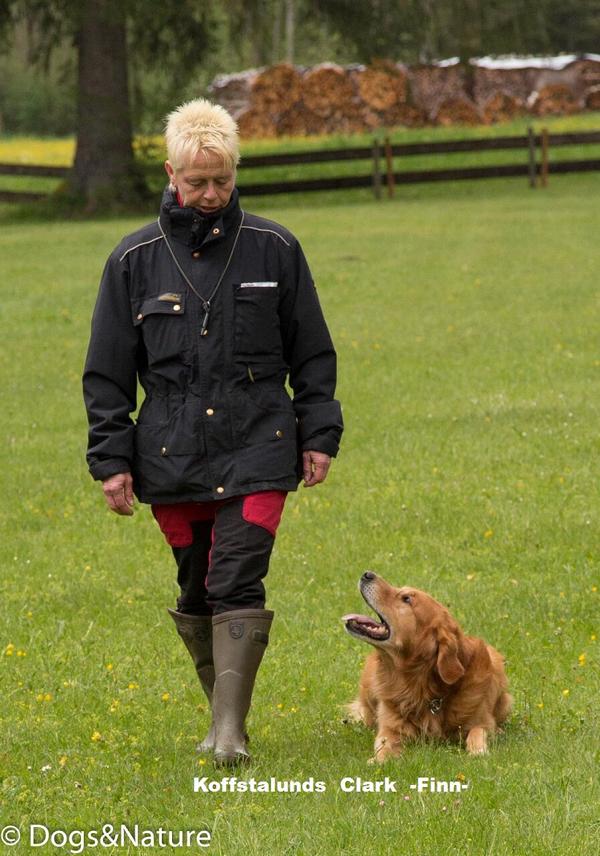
column 197, row 125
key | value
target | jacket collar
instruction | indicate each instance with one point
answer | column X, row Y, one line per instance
column 190, row 227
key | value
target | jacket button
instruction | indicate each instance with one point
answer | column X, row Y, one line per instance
column 140, row 316
column 209, row 411
column 163, row 451
column 176, row 307
column 196, row 255
column 279, row 434
column 220, row 490
column 216, row 231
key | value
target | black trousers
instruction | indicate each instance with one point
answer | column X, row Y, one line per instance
column 224, row 566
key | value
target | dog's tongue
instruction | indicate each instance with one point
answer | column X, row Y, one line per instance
column 360, row 619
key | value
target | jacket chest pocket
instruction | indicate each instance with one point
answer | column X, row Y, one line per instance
column 257, row 329
column 161, row 321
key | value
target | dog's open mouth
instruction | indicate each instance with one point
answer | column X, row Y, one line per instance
column 362, row 625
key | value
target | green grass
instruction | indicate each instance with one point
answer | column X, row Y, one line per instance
column 60, row 152
column 466, row 319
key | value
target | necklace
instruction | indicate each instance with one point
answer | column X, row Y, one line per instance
column 205, row 301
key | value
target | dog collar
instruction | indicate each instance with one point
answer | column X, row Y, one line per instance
column 435, row 705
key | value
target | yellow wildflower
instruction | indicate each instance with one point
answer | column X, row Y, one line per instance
column 96, row 736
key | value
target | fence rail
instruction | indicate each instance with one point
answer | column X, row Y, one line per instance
column 380, row 151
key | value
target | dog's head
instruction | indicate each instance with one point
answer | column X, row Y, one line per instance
column 412, row 625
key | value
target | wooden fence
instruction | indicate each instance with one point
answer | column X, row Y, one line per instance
column 535, row 165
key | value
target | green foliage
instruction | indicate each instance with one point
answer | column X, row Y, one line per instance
column 32, row 102
column 466, row 322
column 176, row 50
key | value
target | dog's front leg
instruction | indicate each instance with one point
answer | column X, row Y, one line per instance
column 391, row 734
column 477, row 741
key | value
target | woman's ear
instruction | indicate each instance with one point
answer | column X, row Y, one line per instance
column 171, row 173
column 448, row 665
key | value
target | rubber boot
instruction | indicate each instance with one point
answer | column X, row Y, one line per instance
column 240, row 638
column 196, row 632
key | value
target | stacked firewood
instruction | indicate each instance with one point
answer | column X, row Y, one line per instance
column 592, row 98
column 328, row 98
column 555, row 99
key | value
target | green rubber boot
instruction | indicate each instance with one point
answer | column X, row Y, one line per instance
column 196, row 632
column 240, row 638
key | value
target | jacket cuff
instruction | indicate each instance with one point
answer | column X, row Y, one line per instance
column 326, row 444
column 102, row 470
column 320, row 426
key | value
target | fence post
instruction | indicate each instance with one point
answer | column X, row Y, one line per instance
column 545, row 163
column 389, row 167
column 531, row 163
column 376, row 169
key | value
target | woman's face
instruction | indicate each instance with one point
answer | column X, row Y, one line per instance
column 205, row 183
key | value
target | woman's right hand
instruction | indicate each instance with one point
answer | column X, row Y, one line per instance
column 118, row 493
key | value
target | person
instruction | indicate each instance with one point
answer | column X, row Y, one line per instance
column 212, row 309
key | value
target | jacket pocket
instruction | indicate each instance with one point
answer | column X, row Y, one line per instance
column 169, row 456
column 161, row 320
column 257, row 329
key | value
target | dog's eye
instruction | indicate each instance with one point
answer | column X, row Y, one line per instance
column 407, row 598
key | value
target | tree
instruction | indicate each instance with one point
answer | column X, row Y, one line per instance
column 104, row 167
column 107, row 34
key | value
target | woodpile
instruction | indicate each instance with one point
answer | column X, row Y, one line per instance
column 502, row 107
column 276, row 89
column 554, row 100
column 382, row 87
column 592, row 99
column 518, row 82
column 458, row 111
column 328, row 98
column 431, row 86
column 252, row 124
column 326, row 90
column 233, row 91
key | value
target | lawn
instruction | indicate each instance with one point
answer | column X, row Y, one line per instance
column 466, row 320
column 60, row 152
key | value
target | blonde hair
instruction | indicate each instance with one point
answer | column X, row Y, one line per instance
column 197, row 125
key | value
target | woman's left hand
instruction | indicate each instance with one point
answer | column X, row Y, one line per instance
column 315, row 467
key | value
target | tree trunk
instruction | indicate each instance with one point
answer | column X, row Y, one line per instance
column 290, row 30
column 104, row 173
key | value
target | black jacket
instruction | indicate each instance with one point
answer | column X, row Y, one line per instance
column 216, row 420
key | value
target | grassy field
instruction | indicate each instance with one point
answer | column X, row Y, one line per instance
column 466, row 319
column 60, row 152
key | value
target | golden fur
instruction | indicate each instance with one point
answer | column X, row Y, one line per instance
column 426, row 677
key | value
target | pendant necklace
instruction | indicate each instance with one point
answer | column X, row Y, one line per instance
column 206, row 302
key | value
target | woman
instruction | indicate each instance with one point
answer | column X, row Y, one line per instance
column 211, row 309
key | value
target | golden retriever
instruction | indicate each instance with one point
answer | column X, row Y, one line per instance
column 426, row 677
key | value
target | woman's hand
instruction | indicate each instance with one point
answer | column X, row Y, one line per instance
column 315, row 467
column 118, row 493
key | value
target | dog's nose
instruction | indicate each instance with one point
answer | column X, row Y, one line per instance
column 368, row 576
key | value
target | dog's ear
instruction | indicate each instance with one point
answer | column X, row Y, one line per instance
column 448, row 665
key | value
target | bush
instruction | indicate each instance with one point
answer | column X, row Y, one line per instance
column 31, row 103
